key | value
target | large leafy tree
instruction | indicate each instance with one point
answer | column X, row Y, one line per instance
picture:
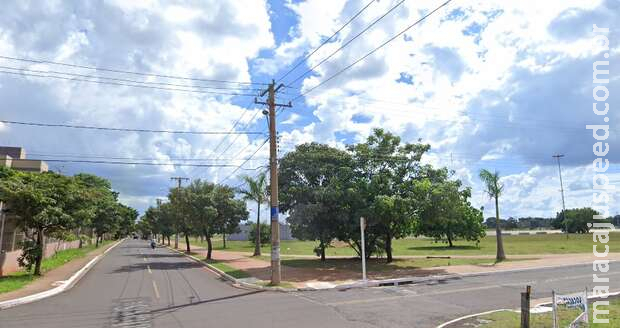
column 40, row 201
column 448, row 214
column 256, row 191
column 313, row 181
column 388, row 176
column 575, row 219
column 494, row 188
column 229, row 212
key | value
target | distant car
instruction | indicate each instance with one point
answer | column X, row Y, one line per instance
column 135, row 236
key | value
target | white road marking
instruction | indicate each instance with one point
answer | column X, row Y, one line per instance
column 148, row 267
column 155, row 289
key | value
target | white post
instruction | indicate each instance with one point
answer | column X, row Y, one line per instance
column 585, row 304
column 363, row 246
column 555, row 310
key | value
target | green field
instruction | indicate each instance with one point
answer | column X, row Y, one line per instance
column 20, row 279
column 514, row 245
column 506, row 319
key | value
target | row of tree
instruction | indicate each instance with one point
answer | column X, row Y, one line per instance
column 326, row 190
column 200, row 209
column 63, row 207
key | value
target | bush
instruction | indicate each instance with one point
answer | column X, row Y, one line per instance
column 265, row 234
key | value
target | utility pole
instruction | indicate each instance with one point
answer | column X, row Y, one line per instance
column 273, row 168
column 558, row 156
column 179, row 181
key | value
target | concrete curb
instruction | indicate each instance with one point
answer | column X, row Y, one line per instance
column 64, row 285
column 445, row 324
column 236, row 282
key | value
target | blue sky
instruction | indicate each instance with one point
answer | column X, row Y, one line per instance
column 489, row 84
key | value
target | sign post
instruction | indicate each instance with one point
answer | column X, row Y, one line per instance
column 363, row 247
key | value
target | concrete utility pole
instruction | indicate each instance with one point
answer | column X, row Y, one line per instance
column 176, row 233
column 273, row 166
column 558, row 156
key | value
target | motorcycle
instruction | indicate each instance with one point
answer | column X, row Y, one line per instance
column 153, row 245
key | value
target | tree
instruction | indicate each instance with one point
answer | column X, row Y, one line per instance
column 576, row 220
column 265, row 233
column 40, row 201
column 389, row 175
column 229, row 212
column 449, row 216
column 313, row 183
column 494, row 188
column 256, row 191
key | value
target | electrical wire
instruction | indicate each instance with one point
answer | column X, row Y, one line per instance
column 129, row 85
column 127, row 129
column 374, row 50
column 39, row 61
column 20, row 69
column 239, row 167
column 347, row 43
column 326, row 41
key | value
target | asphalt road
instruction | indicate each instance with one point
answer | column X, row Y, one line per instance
column 134, row 286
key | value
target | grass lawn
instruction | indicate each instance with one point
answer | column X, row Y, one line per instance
column 513, row 319
column 513, row 245
column 379, row 265
column 17, row 280
column 235, row 273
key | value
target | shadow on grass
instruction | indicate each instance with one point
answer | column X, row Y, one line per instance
column 444, row 248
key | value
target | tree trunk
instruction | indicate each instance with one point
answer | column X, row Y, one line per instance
column 224, row 239
column 257, row 245
column 209, row 247
column 388, row 248
column 450, row 240
column 97, row 240
column 39, row 257
column 168, row 240
column 498, row 234
column 187, row 247
column 79, row 236
column 322, row 251
column 176, row 240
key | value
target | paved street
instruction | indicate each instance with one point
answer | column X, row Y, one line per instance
column 134, row 286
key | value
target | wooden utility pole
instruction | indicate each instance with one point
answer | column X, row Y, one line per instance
column 179, row 181
column 558, row 156
column 273, row 168
column 525, row 307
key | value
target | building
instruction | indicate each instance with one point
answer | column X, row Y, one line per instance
column 15, row 158
column 244, row 233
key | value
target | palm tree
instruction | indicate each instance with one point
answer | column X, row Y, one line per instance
column 494, row 189
column 256, row 191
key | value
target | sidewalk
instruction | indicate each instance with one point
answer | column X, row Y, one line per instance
column 48, row 280
column 302, row 277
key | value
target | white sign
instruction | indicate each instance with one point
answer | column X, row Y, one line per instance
column 572, row 301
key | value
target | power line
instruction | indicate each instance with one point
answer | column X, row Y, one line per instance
column 239, row 167
column 326, row 41
column 129, row 163
column 374, row 50
column 347, row 43
column 129, row 85
column 128, row 80
column 134, row 158
column 127, row 129
column 39, row 61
